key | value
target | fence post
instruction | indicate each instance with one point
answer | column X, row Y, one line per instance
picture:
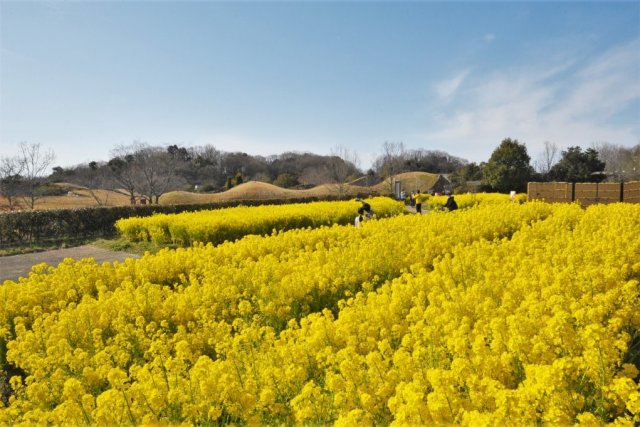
column 573, row 192
column 622, row 191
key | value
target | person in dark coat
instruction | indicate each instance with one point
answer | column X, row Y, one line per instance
column 366, row 208
column 360, row 218
column 451, row 204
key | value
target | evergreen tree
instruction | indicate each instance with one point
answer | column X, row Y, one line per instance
column 508, row 168
column 578, row 166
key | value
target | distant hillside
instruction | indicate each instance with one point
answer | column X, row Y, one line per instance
column 76, row 196
column 258, row 190
column 79, row 197
column 367, row 181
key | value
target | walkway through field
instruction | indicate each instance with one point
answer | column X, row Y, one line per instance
column 14, row 266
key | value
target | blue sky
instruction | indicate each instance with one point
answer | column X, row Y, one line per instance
column 269, row 77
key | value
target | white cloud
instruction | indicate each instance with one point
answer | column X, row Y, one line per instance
column 447, row 89
column 605, row 86
column 563, row 101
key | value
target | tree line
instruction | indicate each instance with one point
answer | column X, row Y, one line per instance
column 510, row 167
column 150, row 171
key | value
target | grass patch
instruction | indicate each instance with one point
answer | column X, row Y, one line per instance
column 18, row 250
column 114, row 244
column 28, row 248
column 123, row 245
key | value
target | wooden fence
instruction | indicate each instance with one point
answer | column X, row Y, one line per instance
column 586, row 193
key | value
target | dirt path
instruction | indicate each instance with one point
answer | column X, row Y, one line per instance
column 14, row 266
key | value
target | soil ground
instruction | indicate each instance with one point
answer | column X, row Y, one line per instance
column 14, row 266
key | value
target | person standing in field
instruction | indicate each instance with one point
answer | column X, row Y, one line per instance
column 366, row 209
column 420, row 197
column 359, row 218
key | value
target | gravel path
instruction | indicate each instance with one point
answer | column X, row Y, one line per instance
column 14, row 266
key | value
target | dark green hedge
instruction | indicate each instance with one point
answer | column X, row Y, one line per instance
column 28, row 227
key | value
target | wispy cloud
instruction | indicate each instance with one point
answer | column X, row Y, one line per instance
column 605, row 86
column 447, row 89
column 489, row 37
column 567, row 101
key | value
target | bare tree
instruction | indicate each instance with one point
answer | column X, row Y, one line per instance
column 96, row 178
column 125, row 170
column 10, row 169
column 634, row 163
column 315, row 175
column 390, row 162
column 158, row 168
column 343, row 164
column 547, row 158
column 622, row 163
column 34, row 162
column 206, row 165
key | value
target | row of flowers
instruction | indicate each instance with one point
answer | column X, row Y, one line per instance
column 217, row 226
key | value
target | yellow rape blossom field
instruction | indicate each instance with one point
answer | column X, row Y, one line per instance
column 499, row 314
column 467, row 200
column 217, row 226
